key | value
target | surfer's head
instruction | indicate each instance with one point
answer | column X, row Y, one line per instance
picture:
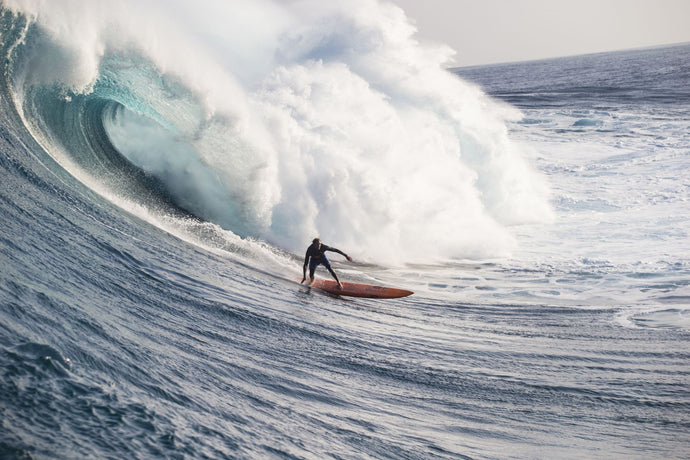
column 316, row 242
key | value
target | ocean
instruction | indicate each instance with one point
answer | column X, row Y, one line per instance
column 164, row 168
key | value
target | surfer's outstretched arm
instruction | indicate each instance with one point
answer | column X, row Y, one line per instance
column 328, row 248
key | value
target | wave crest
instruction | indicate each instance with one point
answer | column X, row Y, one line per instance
column 334, row 121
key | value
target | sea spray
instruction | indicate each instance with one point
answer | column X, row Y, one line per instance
column 326, row 120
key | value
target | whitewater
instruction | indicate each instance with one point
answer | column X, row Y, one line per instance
column 164, row 166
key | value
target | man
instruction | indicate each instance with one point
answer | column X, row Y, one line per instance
column 318, row 257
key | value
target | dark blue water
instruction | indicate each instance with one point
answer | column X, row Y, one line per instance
column 123, row 338
column 602, row 81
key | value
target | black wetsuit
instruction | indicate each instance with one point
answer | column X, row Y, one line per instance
column 318, row 257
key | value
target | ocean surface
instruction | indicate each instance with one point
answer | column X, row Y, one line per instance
column 164, row 167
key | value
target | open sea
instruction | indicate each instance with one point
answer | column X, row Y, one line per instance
column 163, row 168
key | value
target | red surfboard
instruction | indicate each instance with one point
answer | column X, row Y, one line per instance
column 359, row 290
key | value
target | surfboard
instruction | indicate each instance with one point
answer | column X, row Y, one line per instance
column 358, row 290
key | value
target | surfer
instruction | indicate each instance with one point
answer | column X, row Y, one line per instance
column 318, row 257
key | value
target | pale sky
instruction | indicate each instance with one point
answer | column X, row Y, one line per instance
column 492, row 31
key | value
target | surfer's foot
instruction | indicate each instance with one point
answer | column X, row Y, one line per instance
column 340, row 285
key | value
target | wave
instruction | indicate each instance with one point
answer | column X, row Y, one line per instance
column 277, row 122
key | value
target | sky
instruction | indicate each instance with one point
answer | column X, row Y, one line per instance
column 493, row 31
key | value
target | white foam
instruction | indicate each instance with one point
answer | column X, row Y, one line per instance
column 313, row 119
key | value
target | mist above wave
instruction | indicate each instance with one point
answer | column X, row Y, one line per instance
column 286, row 121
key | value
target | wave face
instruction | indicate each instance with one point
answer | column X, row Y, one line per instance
column 277, row 122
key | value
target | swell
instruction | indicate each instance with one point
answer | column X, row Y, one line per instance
column 655, row 77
